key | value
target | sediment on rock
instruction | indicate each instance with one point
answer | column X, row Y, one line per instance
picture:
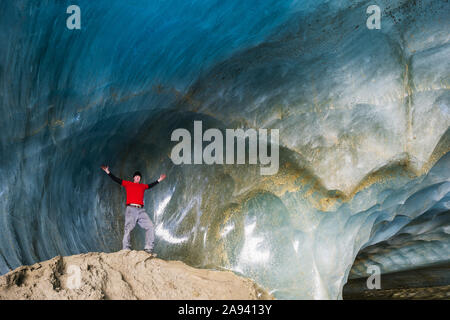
column 130, row 275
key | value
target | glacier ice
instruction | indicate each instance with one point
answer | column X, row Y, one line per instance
column 363, row 119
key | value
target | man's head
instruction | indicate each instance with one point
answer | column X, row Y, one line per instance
column 137, row 176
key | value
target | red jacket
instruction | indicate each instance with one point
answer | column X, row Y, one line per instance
column 135, row 191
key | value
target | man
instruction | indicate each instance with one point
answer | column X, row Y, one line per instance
column 135, row 212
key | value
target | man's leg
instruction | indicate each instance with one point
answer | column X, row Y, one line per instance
column 131, row 215
column 147, row 224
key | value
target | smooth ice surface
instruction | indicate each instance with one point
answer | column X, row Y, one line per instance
column 363, row 118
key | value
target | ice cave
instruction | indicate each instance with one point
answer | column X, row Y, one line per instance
column 363, row 116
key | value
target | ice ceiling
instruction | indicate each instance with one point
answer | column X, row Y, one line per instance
column 363, row 118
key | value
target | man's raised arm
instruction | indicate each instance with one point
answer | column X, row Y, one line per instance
column 161, row 178
column 109, row 173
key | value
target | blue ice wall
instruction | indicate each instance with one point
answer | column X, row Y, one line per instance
column 363, row 117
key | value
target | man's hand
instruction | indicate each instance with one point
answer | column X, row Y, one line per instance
column 105, row 168
column 161, row 177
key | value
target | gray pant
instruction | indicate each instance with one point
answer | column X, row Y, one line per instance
column 135, row 215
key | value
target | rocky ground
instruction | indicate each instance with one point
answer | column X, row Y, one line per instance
column 427, row 293
column 123, row 275
column 426, row 283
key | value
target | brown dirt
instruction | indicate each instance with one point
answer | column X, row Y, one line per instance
column 123, row 275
